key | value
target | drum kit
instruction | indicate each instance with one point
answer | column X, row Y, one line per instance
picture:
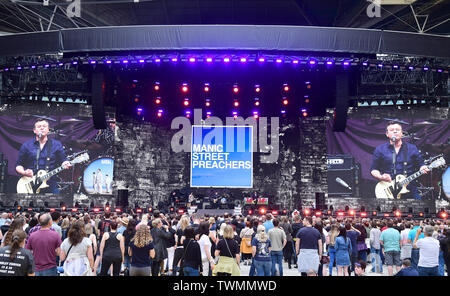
column 72, row 180
column 436, row 183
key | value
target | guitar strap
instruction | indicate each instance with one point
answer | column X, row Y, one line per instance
column 47, row 160
column 405, row 160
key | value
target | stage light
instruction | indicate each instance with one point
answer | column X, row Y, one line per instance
column 340, row 214
column 318, row 213
column 139, row 111
column 363, row 214
column 192, row 60
column 329, row 63
column 208, row 114
column 76, row 63
column 279, row 60
column 304, row 113
column 125, row 62
column 235, row 89
column 206, row 88
column 236, row 103
column 46, row 66
column 380, row 65
column 93, row 62
column 312, row 62
column 180, row 211
column 185, row 88
column 118, row 210
column 150, row 209
column 425, row 68
column 186, row 102
column 285, row 87
column 209, row 60
column 156, row 87
column 439, row 70
column 158, row 100
column 443, row 215
column 34, row 67
column 96, row 210
column 138, row 211
column 174, row 60
column 395, row 66
column 386, row 215
column 226, row 60
column 243, row 60
column 250, row 212
column 255, row 114
column 262, row 211
column 411, row 68
column 285, row 101
column 351, row 212
column 365, row 64
column 398, row 214
column 160, row 113
column 261, row 60
column 74, row 210
column 257, row 88
column 52, row 210
column 257, row 103
column 284, row 212
column 329, row 212
column 208, row 103
column 283, row 111
column 374, row 213
column 295, row 62
column 307, row 212
column 141, row 61
column 107, row 62
column 346, row 63
column 421, row 214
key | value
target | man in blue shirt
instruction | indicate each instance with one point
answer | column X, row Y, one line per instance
column 407, row 270
column 41, row 153
column 407, row 159
column 415, row 255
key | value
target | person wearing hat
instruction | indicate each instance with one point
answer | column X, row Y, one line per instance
column 123, row 224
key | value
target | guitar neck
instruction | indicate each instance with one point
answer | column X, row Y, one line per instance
column 52, row 173
column 411, row 178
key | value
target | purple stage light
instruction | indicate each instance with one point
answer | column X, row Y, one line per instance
column 243, row 60
column 261, row 60
column 33, row 67
column 60, row 64
column 157, row 60
column 439, row 70
column 295, row 61
column 365, row 63
column 329, row 63
column 279, row 60
column 346, row 63
column 425, row 68
column 411, row 68
column 74, row 63
column 125, row 61
column 283, row 111
column 192, row 60
column 92, row 62
column 19, row 68
column 141, row 61
column 46, row 66
column 226, row 60
column 139, row 109
column 174, row 60
column 395, row 66
column 209, row 60
column 312, row 62
column 303, row 110
column 380, row 65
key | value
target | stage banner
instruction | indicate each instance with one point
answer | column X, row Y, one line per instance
column 222, row 156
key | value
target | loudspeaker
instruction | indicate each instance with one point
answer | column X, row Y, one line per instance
column 98, row 110
column 342, row 102
column 122, row 198
column 320, row 201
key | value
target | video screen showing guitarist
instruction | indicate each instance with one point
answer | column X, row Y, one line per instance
column 394, row 161
column 37, row 155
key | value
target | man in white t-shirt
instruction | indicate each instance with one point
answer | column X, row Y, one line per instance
column 429, row 252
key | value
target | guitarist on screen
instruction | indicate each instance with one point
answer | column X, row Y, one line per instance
column 405, row 161
column 41, row 153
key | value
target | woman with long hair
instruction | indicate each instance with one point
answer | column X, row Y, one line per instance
column 16, row 260
column 15, row 225
column 77, row 245
column 228, row 250
column 261, row 252
column 205, row 248
column 141, row 251
column 331, row 239
column 343, row 248
column 179, row 237
column 192, row 258
column 246, row 242
column 91, row 234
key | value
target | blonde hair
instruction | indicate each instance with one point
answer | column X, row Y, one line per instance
column 334, row 232
column 261, row 234
column 156, row 222
column 142, row 236
column 184, row 222
column 228, row 232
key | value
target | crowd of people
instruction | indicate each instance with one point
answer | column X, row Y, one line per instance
column 158, row 244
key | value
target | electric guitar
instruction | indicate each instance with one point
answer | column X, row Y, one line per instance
column 395, row 189
column 39, row 181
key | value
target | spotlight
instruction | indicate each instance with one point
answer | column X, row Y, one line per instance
column 304, row 113
column 262, row 211
column 398, row 214
column 443, row 215
column 188, row 113
column 206, row 88
column 274, row 212
column 209, row 60
column 156, row 87
column 226, row 60
column 235, row 89
column 174, row 60
column 340, row 214
column 158, row 100
column 93, row 62
column 411, row 68
column 208, row 103
column 255, row 114
column 192, row 60
column 185, row 88
column 312, row 62
column 257, row 88
column 160, row 113
column 351, row 212
column 208, row 114
column 283, row 111
column 307, row 212
column 285, row 101
column 108, row 62
column 285, row 87
column 235, row 114
column 243, row 60
column 125, row 62
column 257, row 103
column 295, row 61
column 139, row 111
column 261, row 60
column 329, row 63
column 318, row 213
column 279, row 61
column 425, row 68
column 186, row 102
column 346, row 63
column 236, row 103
